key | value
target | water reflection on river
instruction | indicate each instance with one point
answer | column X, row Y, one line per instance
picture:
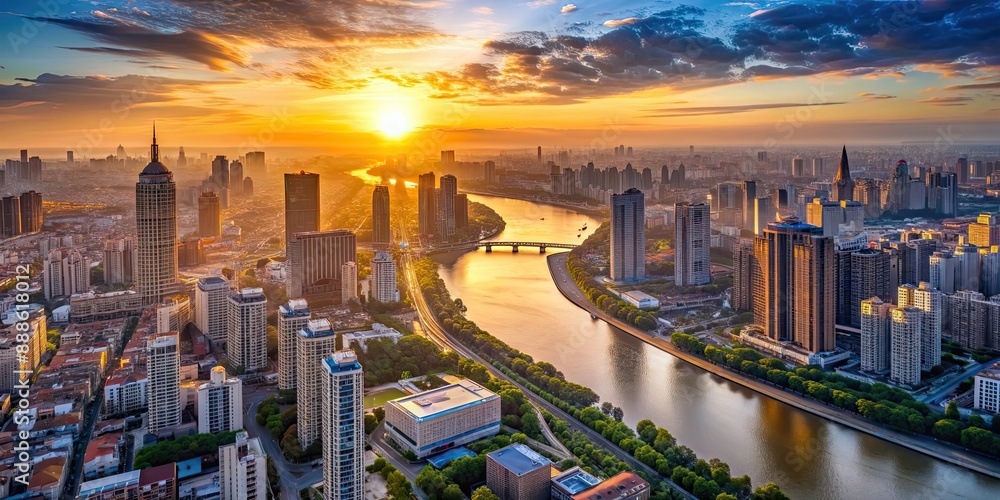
column 512, row 296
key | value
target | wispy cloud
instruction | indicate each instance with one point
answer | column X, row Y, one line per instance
column 486, row 11
column 975, row 86
column 726, row 110
column 534, row 4
column 868, row 96
column 947, row 101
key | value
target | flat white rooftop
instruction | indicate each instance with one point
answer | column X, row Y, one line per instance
column 436, row 402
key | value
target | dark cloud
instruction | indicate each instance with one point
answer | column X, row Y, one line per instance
column 975, row 86
column 726, row 110
column 675, row 49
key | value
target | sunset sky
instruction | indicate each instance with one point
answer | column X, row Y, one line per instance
column 387, row 75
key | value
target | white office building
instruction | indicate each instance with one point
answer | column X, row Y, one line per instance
column 876, row 332
column 211, row 307
column 312, row 344
column 349, row 281
column 343, row 427
column 383, row 278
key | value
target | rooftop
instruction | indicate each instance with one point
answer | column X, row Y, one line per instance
column 213, row 280
column 638, row 295
column 317, row 328
column 519, row 459
column 436, row 402
column 992, row 371
column 295, row 307
column 574, row 481
column 165, row 472
column 342, row 362
column 619, row 485
column 109, row 483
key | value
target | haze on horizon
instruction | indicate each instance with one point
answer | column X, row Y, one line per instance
column 390, row 75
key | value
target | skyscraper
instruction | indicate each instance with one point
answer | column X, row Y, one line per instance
column 156, row 229
column 943, row 268
column 490, row 172
column 692, row 237
column 869, row 278
column 906, row 345
column 301, row 204
column 876, row 339
column 985, row 232
column 794, row 295
column 220, row 172
column 292, row 317
column 65, row 272
column 315, row 262
column 929, row 302
column 969, row 319
column 426, row 204
column 763, row 213
column 343, row 427
column 383, row 278
column 31, row 212
column 461, row 211
column 843, row 185
column 628, row 235
column 211, row 307
column 312, row 344
column 209, row 215
column 349, row 281
column 255, row 166
column 10, row 216
column 236, row 178
column 380, row 215
column 220, row 403
column 749, row 195
column 743, row 272
column 967, row 269
column 449, row 188
column 246, row 324
column 243, row 469
column 120, row 261
column 163, row 367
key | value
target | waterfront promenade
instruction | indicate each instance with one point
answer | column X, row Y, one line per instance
column 923, row 444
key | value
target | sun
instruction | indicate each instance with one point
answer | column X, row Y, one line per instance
column 394, row 123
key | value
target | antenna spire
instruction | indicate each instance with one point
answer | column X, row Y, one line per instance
column 154, row 150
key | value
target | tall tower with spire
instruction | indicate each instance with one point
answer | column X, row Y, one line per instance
column 156, row 229
column 843, row 185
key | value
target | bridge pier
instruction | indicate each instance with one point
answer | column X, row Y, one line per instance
column 541, row 249
column 489, row 248
column 515, row 249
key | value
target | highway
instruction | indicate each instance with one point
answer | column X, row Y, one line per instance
column 435, row 332
column 920, row 443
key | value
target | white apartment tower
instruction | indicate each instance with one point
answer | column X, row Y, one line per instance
column 156, row 229
column 65, row 272
column 348, row 281
column 120, row 261
column 906, row 345
column 220, row 403
column 313, row 343
column 343, row 427
column 929, row 301
column 243, row 469
column 875, row 335
column 211, row 307
column 246, row 339
column 383, row 278
column 292, row 317
column 163, row 367
column 693, row 238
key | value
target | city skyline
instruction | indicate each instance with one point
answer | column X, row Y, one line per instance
column 475, row 75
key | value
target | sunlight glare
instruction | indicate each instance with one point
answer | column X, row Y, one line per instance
column 394, row 123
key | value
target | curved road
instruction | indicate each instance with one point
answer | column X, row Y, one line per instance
column 922, row 444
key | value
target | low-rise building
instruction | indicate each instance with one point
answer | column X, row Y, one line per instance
column 103, row 456
column 987, row 390
column 517, row 472
column 622, row 486
column 378, row 331
column 571, row 482
column 439, row 419
column 642, row 300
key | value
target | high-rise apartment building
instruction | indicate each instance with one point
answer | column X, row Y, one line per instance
column 255, row 164
column 156, row 229
column 628, row 235
column 869, row 278
column 312, row 344
column 746, row 205
column 763, row 213
column 967, row 268
column 220, row 403
column 301, row 204
column 243, row 469
column 315, row 262
column 943, row 268
column 449, row 189
column 380, row 215
column 928, row 300
column 693, row 238
column 211, row 307
column 985, row 232
column 743, row 264
column 292, row 317
column 209, row 215
column 10, row 216
column 31, row 212
column 490, row 172
column 220, row 172
column 120, row 261
column 163, row 367
column 794, row 297
column 383, row 278
column 65, row 272
column 461, row 211
column 343, row 427
column 236, row 178
column 246, row 325
column 906, row 345
column 970, row 317
column 426, row 204
column 989, row 271
column 876, row 335
column 349, row 281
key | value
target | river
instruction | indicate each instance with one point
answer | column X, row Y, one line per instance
column 512, row 297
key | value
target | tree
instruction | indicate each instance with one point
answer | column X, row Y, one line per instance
column 617, row 413
column 977, row 439
column 995, row 423
column 607, row 407
column 952, row 411
column 518, row 437
column 484, row 493
column 977, row 421
column 948, row 430
column 432, row 481
column 398, row 486
column 769, row 491
column 452, row 492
